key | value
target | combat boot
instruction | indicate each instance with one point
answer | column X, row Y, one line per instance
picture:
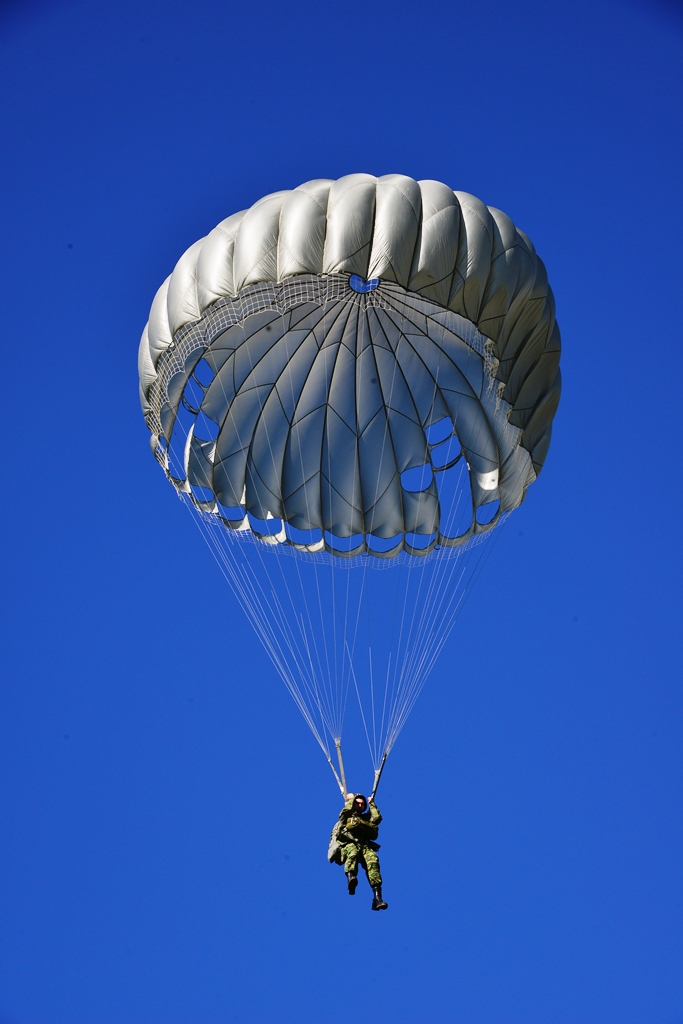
column 352, row 882
column 378, row 903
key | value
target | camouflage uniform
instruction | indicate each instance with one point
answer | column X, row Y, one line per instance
column 356, row 836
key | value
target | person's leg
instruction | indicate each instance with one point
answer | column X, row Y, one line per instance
column 374, row 878
column 371, row 865
column 350, row 859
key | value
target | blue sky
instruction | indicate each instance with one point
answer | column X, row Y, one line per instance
column 164, row 811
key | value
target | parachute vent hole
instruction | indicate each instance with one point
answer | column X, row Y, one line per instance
column 361, row 285
column 343, row 544
column 193, row 395
column 447, row 453
column 184, row 422
column 203, row 373
column 420, row 541
column 265, row 527
column 455, row 498
column 205, row 429
column 303, row 536
column 417, row 479
column 381, row 544
column 488, row 512
column 439, row 431
column 232, row 513
column 203, row 494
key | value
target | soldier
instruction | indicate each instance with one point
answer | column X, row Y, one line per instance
column 353, row 842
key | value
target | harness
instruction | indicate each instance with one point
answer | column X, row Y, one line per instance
column 346, row 837
column 341, row 836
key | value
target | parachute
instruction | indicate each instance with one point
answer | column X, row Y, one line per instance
column 352, row 376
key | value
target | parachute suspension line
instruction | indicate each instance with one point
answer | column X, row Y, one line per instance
column 362, row 711
column 425, row 616
column 378, row 775
column 416, row 666
column 351, row 650
column 449, row 617
column 308, row 652
column 333, row 701
column 427, row 654
column 406, row 641
column 345, row 670
column 372, row 709
column 393, row 641
column 419, row 677
column 485, row 554
column 270, row 642
column 290, row 682
column 388, row 402
column 356, row 319
column 342, row 773
column 433, row 612
column 262, row 626
column 364, row 343
column 341, row 782
column 331, row 672
column 331, row 711
column 413, row 652
column 364, row 352
column 241, row 585
column 342, row 678
column 434, row 648
column 404, row 637
column 386, row 689
column 445, row 618
column 309, row 680
column 327, row 715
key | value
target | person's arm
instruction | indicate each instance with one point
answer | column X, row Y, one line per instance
column 346, row 810
column 375, row 816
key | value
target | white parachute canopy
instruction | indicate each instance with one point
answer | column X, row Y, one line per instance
column 353, row 375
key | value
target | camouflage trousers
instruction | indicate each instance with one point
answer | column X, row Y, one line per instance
column 353, row 855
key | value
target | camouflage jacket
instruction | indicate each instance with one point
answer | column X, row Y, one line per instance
column 363, row 827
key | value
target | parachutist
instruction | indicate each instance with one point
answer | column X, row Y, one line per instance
column 353, row 843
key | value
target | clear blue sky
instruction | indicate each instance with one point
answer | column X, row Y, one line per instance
column 164, row 812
